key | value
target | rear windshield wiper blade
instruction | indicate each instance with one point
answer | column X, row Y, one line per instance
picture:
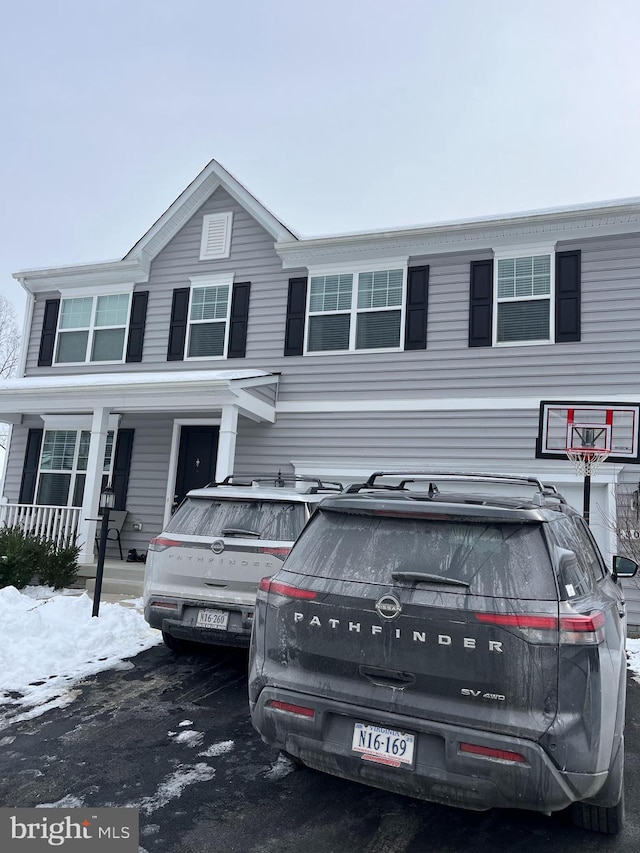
column 427, row 578
column 238, row 531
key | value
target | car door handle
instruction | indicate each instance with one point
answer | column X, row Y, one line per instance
column 387, row 677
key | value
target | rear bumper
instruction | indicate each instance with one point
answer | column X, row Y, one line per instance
column 441, row 774
column 180, row 622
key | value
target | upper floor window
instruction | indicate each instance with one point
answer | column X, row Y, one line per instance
column 209, row 308
column 524, row 300
column 92, row 329
column 216, row 236
column 356, row 311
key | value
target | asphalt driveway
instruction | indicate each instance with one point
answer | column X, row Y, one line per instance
column 172, row 736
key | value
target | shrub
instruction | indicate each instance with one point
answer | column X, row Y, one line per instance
column 24, row 557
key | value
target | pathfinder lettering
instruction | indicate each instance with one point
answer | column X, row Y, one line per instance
column 417, row 636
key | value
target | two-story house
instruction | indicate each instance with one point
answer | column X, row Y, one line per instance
column 224, row 343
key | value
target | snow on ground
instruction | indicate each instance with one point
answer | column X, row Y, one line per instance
column 633, row 658
column 50, row 641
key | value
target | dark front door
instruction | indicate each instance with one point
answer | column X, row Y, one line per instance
column 196, row 459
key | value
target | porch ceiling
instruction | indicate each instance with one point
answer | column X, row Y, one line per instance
column 174, row 391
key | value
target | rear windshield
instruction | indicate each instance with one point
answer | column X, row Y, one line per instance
column 279, row 520
column 498, row 560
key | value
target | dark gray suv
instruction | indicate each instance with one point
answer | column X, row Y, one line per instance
column 466, row 649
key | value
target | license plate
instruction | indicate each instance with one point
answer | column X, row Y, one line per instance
column 384, row 746
column 213, row 619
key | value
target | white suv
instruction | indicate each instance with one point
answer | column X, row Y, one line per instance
column 203, row 571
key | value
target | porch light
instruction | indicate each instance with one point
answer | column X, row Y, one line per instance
column 107, row 498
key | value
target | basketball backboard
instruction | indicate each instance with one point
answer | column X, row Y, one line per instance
column 584, row 425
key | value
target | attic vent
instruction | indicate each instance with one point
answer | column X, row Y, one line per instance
column 216, row 236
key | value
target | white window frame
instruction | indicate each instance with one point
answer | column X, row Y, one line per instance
column 525, row 251
column 93, row 293
column 227, row 218
column 74, row 470
column 385, row 265
column 219, row 280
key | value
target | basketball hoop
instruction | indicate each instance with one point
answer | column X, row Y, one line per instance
column 587, row 460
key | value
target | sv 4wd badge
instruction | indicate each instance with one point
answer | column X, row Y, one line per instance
column 478, row 694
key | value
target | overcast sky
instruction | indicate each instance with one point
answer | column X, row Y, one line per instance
column 339, row 115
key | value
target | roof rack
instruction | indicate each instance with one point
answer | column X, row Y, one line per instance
column 280, row 481
column 543, row 490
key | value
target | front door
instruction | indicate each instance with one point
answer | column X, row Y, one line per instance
column 196, row 459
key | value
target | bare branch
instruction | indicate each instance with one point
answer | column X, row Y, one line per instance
column 9, row 339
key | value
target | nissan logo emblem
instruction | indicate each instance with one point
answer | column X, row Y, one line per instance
column 218, row 546
column 388, row 607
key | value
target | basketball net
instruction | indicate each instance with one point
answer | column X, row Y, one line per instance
column 587, row 460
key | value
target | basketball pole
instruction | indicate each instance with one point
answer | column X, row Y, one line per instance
column 586, row 497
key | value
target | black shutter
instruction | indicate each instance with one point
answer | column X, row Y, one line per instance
column 415, row 331
column 48, row 336
column 121, row 466
column 136, row 325
column 296, row 307
column 481, row 304
column 239, row 320
column 30, row 467
column 567, row 297
column 178, row 327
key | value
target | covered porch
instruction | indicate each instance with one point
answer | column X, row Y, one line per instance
column 95, row 412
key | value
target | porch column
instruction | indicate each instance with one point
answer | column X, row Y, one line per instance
column 227, row 442
column 92, row 485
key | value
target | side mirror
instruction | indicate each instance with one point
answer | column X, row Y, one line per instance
column 623, row 567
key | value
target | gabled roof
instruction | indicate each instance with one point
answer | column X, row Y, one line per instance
column 135, row 264
column 192, row 198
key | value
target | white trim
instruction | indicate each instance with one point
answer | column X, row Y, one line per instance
column 26, row 335
column 524, row 250
column 178, row 423
column 370, row 265
column 207, row 220
column 76, row 422
column 87, row 290
column 439, row 404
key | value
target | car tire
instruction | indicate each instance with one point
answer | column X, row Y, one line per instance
column 606, row 819
column 173, row 643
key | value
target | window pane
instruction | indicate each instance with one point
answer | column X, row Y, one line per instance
column 378, row 329
column 58, row 449
column 330, row 332
column 76, row 313
column 72, row 346
column 529, row 276
column 209, row 303
column 53, row 489
column 330, row 293
column 112, row 310
column 202, row 517
column 83, row 450
column 523, row 321
column 108, row 345
column 206, row 339
column 380, row 289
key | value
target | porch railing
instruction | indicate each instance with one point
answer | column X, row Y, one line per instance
column 58, row 523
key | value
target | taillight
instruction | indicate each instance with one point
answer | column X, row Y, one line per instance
column 570, row 629
column 488, row 752
column 288, row 708
column 159, row 544
column 275, row 552
column 285, row 589
column 168, row 605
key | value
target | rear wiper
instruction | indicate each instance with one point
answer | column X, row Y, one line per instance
column 238, row 531
column 426, row 577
